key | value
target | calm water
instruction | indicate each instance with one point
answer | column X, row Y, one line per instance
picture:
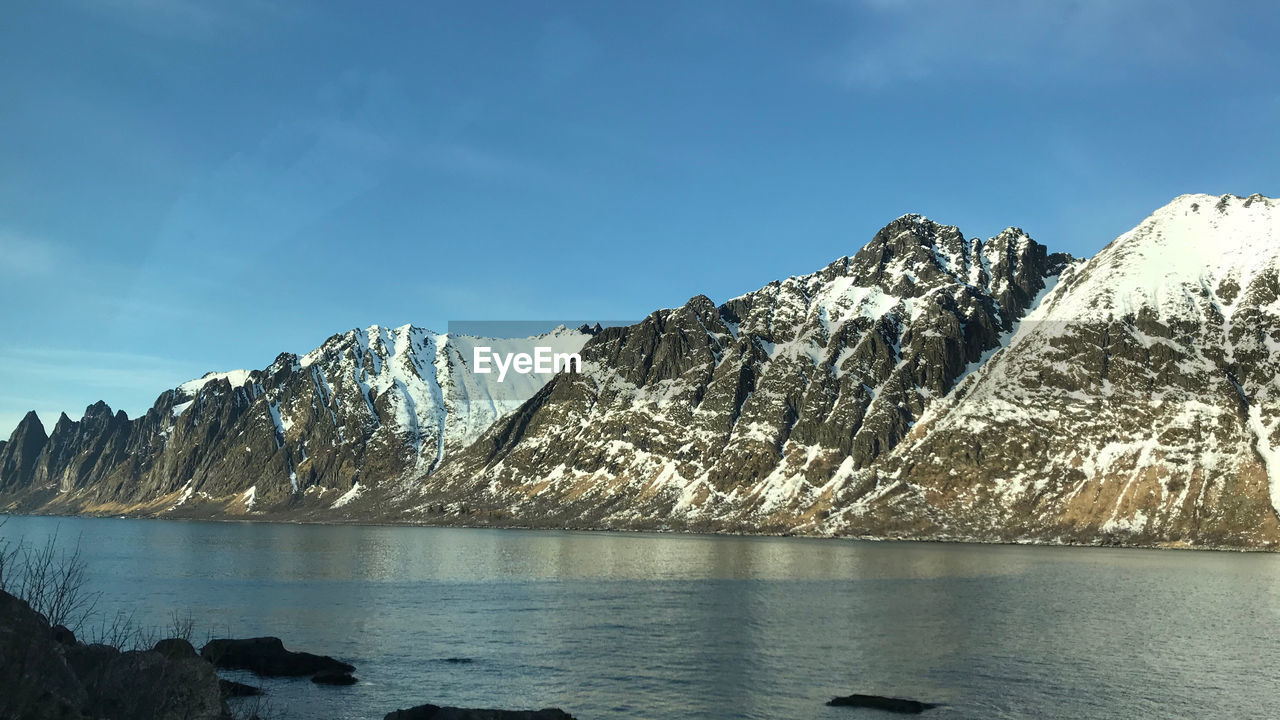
column 650, row 626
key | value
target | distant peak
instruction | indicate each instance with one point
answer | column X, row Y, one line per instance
column 98, row 408
column 913, row 222
column 913, row 235
column 31, row 421
column 916, row 220
column 1012, row 231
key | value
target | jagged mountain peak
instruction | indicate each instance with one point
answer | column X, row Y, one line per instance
column 19, row 456
column 917, row 221
column 31, row 421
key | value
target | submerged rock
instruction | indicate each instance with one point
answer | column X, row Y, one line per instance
column 333, row 678
column 435, row 712
column 880, row 702
column 231, row 688
column 267, row 656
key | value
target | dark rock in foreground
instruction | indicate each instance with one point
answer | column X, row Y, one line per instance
column 176, row 648
column 231, row 688
column 435, row 712
column 84, row 658
column 333, row 678
column 147, row 684
column 43, row 678
column 63, row 635
column 35, row 679
column 879, row 702
column 267, row 656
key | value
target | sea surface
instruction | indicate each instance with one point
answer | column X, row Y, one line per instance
column 617, row 625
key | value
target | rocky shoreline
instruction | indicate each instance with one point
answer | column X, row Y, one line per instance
column 46, row 673
column 710, row 529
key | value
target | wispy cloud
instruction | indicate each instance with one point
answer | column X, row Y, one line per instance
column 357, row 132
column 478, row 163
column 895, row 41
column 22, row 256
column 46, row 367
column 60, row 379
column 52, row 380
column 186, row 17
column 9, row 420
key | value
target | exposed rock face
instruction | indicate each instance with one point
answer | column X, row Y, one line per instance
column 20, row 455
column 44, row 677
column 930, row 386
column 739, row 416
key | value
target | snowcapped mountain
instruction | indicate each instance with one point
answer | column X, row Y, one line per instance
column 383, row 403
column 929, row 386
column 1137, row 403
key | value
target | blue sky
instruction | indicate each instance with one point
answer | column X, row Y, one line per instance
column 188, row 186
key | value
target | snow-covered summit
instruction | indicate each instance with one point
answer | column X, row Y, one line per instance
column 1197, row 248
column 1138, row 399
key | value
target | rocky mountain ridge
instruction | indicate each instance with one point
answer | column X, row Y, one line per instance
column 301, row 433
column 928, row 386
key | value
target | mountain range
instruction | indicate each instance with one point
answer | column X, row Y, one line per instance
column 930, row 386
